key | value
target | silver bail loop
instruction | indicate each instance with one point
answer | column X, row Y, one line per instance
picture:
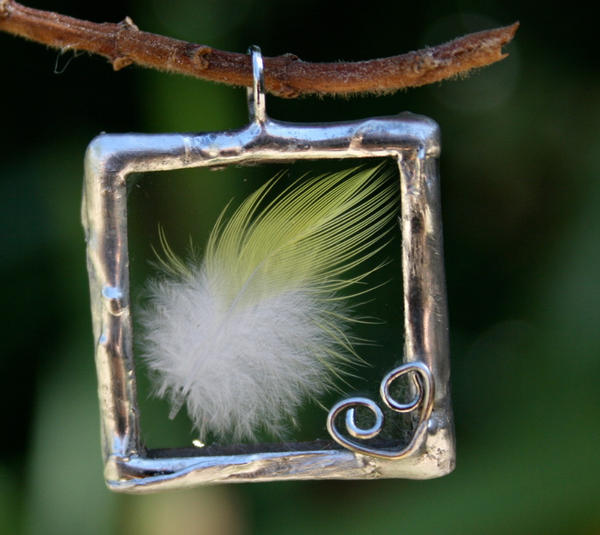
column 256, row 94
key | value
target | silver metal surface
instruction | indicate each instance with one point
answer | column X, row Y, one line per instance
column 413, row 142
column 257, row 109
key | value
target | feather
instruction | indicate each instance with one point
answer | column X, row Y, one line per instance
column 263, row 322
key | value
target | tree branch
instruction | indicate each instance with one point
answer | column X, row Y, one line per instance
column 285, row 76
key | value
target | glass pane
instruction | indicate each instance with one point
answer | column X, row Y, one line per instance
column 185, row 206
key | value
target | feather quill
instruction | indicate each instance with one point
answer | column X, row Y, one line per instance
column 263, row 322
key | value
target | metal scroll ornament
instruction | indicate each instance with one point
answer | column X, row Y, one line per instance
column 421, row 403
column 355, row 452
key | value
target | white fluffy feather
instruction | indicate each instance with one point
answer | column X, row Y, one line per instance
column 244, row 337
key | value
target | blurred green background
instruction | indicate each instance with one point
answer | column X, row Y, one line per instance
column 521, row 194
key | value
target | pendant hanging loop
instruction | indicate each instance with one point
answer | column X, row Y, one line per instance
column 256, row 94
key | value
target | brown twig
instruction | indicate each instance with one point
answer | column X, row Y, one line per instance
column 286, row 76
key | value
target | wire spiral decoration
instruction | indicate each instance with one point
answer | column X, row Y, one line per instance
column 423, row 400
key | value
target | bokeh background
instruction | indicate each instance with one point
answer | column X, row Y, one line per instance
column 521, row 194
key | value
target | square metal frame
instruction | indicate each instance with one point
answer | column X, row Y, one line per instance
column 413, row 142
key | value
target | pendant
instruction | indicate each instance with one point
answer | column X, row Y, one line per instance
column 405, row 430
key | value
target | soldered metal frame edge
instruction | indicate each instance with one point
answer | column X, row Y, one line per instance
column 412, row 141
